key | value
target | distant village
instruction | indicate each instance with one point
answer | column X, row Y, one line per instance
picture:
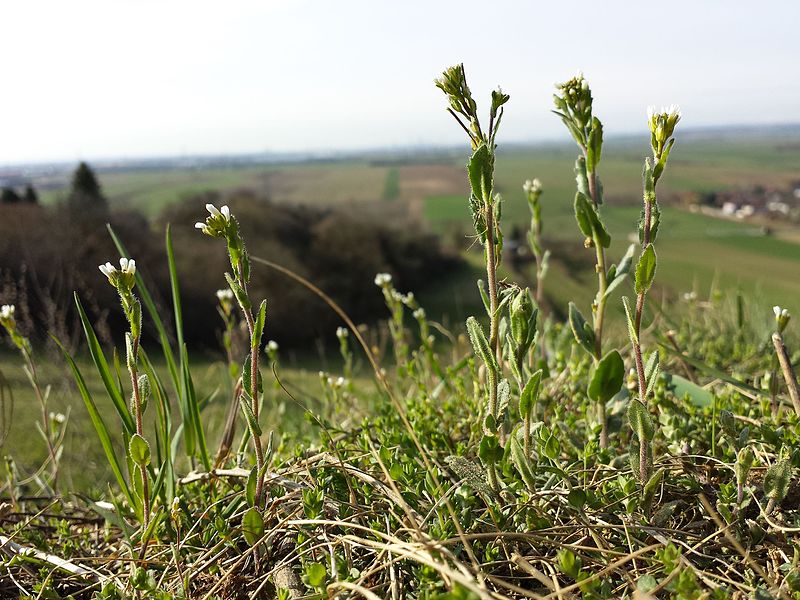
column 757, row 203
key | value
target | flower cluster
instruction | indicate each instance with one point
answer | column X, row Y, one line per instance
column 662, row 125
column 782, row 317
column 342, row 333
column 221, row 223
column 532, row 187
column 124, row 278
column 7, row 316
column 383, row 280
column 217, row 223
column 575, row 103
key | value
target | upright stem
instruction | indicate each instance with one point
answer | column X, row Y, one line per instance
column 599, row 308
column 491, row 277
column 248, row 315
column 637, row 346
column 788, row 371
column 137, row 409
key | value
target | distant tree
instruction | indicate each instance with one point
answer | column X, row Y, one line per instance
column 30, row 196
column 9, row 196
column 86, row 198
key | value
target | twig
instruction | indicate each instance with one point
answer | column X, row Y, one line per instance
column 788, row 371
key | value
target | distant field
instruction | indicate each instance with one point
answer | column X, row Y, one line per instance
column 692, row 247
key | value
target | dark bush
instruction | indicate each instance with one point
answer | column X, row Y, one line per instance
column 46, row 254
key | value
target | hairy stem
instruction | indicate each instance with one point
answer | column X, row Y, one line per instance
column 248, row 315
column 137, row 409
column 637, row 346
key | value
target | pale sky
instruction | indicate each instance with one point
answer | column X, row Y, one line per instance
column 123, row 78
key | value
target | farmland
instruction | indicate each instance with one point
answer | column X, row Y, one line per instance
column 430, row 190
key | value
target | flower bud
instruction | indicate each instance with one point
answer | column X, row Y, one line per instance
column 782, row 317
column 523, row 318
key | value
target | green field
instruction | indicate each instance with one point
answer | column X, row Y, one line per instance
column 692, row 247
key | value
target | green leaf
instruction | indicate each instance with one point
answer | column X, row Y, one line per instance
column 245, row 400
column 481, row 344
column 582, row 215
column 246, row 374
column 99, row 425
column 315, row 575
column 252, row 526
column 576, row 498
column 530, row 394
column 744, row 462
column 777, row 479
column 522, row 463
column 649, row 491
column 490, row 450
column 238, row 291
column 640, row 421
column 480, row 170
column 589, row 221
column 651, row 370
column 581, row 329
column 645, row 270
column 258, row 329
column 139, row 450
column 658, row 170
column 698, row 396
column 629, row 320
column 607, row 378
column 100, row 363
column 617, row 274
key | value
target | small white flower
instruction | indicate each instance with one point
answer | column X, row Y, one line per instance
column 342, row 333
column 383, row 279
column 224, row 295
column 419, row 314
column 108, row 269
column 341, row 382
column 690, row 296
column 127, row 266
column 58, row 417
column 7, row 311
column 777, row 311
column 272, row 346
column 225, row 213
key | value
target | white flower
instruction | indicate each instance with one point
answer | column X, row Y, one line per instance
column 342, row 333
column 224, row 212
column 127, row 266
column 7, row 311
column 108, row 269
column 224, row 294
column 690, row 296
column 532, row 186
column 272, row 346
column 341, row 382
column 777, row 311
column 383, row 279
column 419, row 314
column 58, row 417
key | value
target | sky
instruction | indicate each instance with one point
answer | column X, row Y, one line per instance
column 137, row 78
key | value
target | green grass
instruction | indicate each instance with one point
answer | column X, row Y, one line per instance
column 91, row 473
